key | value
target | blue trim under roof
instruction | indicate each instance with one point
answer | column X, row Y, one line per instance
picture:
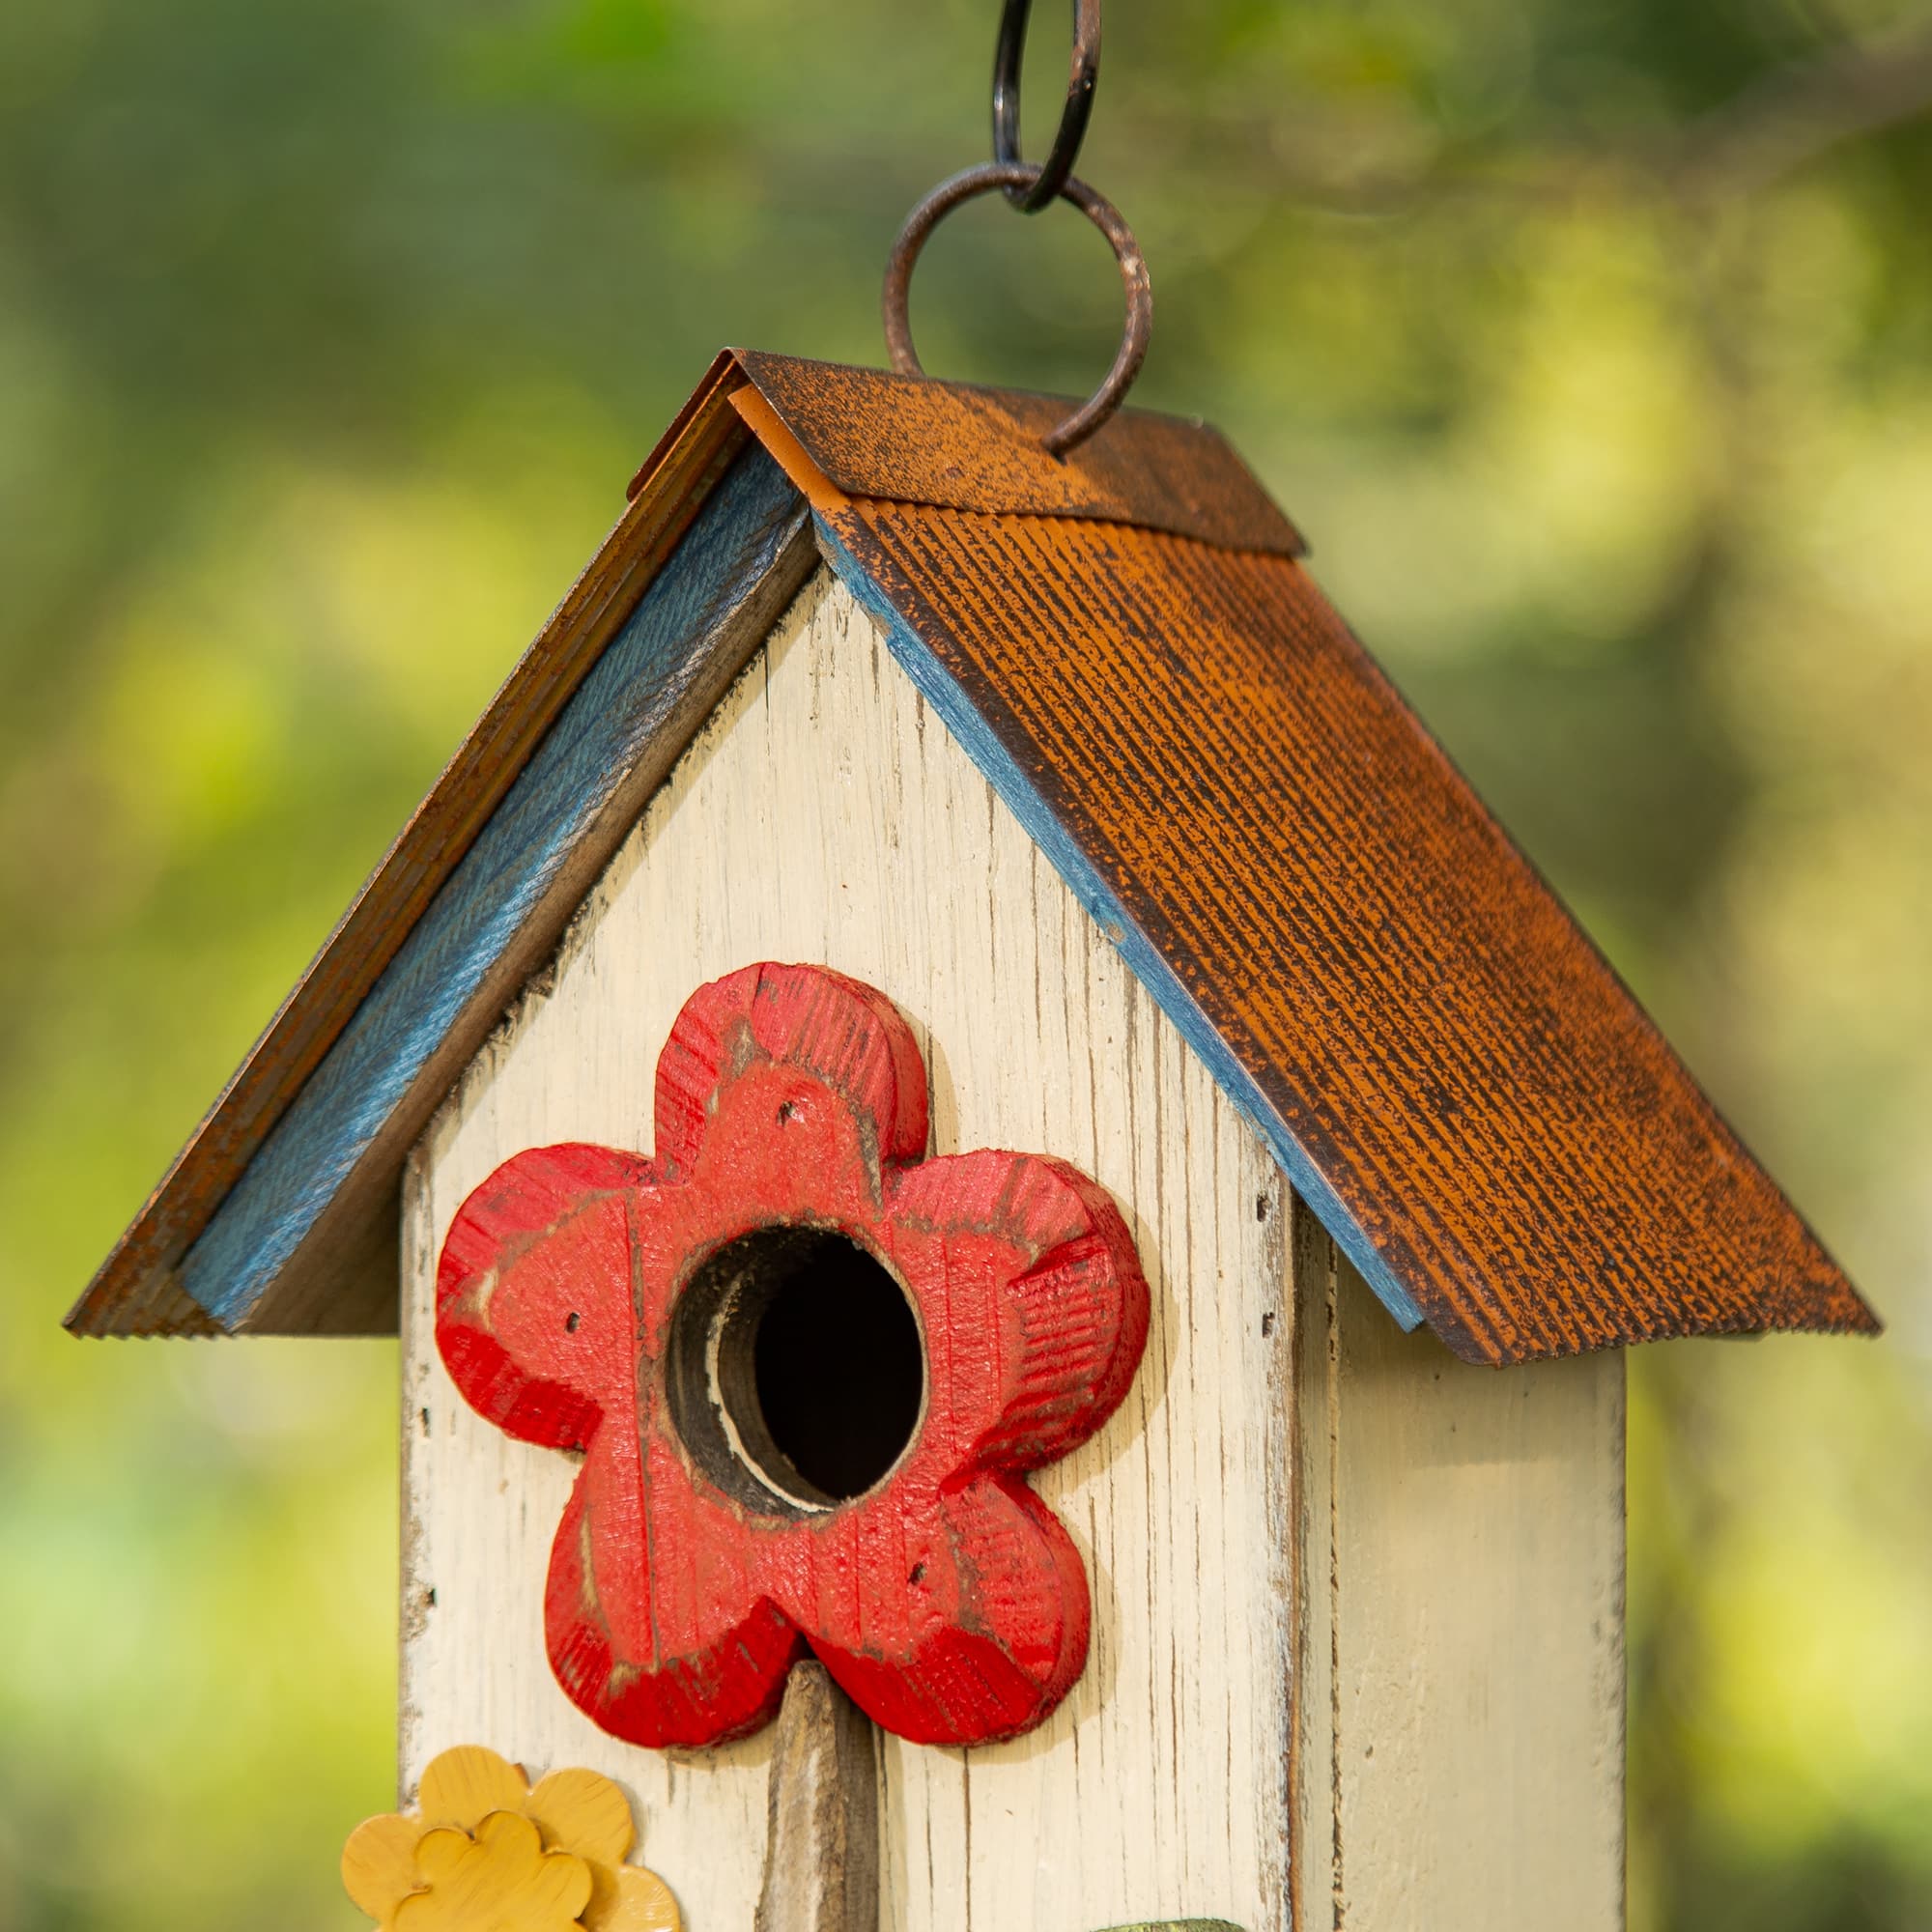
column 1002, row 771
column 454, row 950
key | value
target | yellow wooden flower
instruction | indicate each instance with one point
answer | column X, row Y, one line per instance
column 502, row 1880
column 486, row 1853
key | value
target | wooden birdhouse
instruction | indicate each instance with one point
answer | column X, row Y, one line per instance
column 951, row 1083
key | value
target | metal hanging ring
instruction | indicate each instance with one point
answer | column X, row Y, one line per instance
column 1008, row 54
column 1100, row 211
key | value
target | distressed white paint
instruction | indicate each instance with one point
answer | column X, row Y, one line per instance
column 824, row 815
column 1460, row 1660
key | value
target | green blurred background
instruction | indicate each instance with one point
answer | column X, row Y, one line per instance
column 1591, row 342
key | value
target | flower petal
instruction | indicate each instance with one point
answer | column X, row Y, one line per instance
column 583, row 1812
column 657, row 1627
column 379, row 1863
column 462, row 1787
column 976, row 1637
column 533, row 1312
column 1031, row 1299
column 440, row 1854
column 501, row 1879
column 842, row 1035
column 638, row 1901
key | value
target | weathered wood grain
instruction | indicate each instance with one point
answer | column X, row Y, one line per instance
column 825, row 814
column 1459, row 1664
column 822, row 1844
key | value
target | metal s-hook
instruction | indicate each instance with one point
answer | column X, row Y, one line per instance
column 1030, row 188
column 1083, row 76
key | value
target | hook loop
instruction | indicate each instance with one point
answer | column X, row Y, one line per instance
column 1083, row 76
column 1012, row 176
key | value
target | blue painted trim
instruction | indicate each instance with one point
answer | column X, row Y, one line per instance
column 634, row 688
column 1002, row 771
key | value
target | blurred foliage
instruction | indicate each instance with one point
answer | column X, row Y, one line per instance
column 1593, row 344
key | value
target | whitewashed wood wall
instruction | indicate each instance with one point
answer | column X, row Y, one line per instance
column 1460, row 1650
column 1232, row 1515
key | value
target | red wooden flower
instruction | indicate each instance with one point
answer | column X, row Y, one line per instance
column 668, row 1317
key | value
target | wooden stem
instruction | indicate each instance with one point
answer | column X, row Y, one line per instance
column 822, row 1851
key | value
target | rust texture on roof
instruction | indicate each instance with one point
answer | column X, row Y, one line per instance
column 1470, row 1094
column 1512, row 1136
column 960, row 448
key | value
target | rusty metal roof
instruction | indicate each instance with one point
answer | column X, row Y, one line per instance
column 1129, row 645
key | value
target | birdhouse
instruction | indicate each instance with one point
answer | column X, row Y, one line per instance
column 1012, row 1219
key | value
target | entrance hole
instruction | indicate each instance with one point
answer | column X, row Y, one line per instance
column 795, row 1371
